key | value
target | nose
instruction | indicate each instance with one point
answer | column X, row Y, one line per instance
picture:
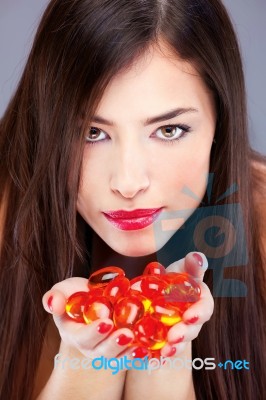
column 129, row 172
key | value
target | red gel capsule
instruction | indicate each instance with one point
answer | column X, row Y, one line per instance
column 95, row 292
column 181, row 288
column 75, row 305
column 127, row 311
column 96, row 308
column 103, row 276
column 168, row 313
column 152, row 286
column 146, row 303
column 116, row 288
column 145, row 300
column 150, row 333
column 154, row 268
column 135, row 284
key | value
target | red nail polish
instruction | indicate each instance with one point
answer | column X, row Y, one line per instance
column 198, row 258
column 140, row 352
column 180, row 339
column 104, row 328
column 192, row 320
column 49, row 303
column 123, row 340
column 171, row 352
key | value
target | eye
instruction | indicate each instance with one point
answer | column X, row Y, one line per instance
column 171, row 132
column 95, row 135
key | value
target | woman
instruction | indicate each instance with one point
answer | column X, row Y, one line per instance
column 127, row 62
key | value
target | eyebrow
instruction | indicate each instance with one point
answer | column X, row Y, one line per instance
column 149, row 121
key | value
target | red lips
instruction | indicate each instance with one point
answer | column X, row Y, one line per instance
column 132, row 220
column 121, row 214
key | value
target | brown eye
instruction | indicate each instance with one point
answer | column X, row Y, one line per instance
column 169, row 132
column 95, row 135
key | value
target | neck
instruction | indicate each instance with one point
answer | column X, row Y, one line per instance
column 103, row 256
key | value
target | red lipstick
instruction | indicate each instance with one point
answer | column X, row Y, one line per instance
column 132, row 220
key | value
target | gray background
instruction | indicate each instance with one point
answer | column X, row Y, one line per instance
column 19, row 19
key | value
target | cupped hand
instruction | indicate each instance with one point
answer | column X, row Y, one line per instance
column 195, row 264
column 93, row 340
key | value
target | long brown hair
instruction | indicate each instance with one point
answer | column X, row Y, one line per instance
column 79, row 47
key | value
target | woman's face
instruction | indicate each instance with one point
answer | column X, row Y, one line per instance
column 139, row 159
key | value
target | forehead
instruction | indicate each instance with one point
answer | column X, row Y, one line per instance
column 159, row 60
column 156, row 81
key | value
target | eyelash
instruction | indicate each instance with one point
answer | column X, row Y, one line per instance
column 184, row 128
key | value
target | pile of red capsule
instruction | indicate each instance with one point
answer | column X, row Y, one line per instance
column 148, row 304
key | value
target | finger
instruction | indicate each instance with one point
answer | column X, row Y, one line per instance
column 54, row 300
column 202, row 310
column 182, row 332
column 171, row 350
column 195, row 264
column 82, row 335
column 113, row 345
column 129, row 352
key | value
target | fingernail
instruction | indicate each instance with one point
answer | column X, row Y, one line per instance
column 198, row 258
column 123, row 340
column 103, row 327
column 180, row 339
column 140, row 352
column 49, row 303
column 192, row 320
column 171, row 352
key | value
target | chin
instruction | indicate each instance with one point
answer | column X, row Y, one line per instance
column 139, row 250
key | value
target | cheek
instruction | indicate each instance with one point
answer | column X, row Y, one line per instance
column 93, row 173
column 188, row 167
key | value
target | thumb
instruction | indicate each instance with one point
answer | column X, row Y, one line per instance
column 195, row 264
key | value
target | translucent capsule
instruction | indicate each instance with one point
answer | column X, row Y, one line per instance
column 75, row 306
column 98, row 291
column 117, row 288
column 181, row 289
column 150, row 333
column 103, row 276
column 168, row 313
column 127, row 311
column 98, row 307
column 154, row 268
column 135, row 284
column 146, row 303
column 152, row 285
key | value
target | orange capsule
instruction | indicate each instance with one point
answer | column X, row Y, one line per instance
column 98, row 307
column 127, row 311
column 75, row 305
column 103, row 276
column 152, row 285
column 116, row 288
column 168, row 313
column 145, row 301
column 181, row 288
column 135, row 284
column 154, row 268
column 150, row 333
column 98, row 291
